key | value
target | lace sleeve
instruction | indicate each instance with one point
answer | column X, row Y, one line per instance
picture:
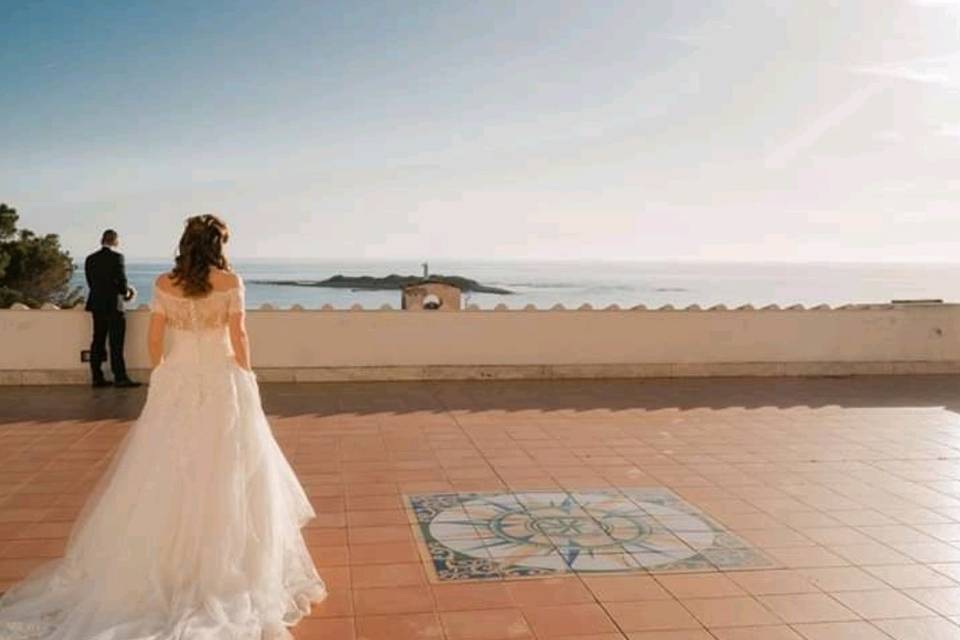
column 237, row 302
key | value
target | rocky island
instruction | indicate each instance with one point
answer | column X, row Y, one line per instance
column 387, row 283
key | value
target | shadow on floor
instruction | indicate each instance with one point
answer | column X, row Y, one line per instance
column 80, row 403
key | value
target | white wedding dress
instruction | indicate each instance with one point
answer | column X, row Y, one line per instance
column 193, row 533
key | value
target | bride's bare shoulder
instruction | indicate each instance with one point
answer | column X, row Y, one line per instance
column 164, row 281
column 224, row 279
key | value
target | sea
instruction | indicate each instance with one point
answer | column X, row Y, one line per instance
column 600, row 284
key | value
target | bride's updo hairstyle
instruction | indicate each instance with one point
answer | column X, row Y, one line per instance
column 201, row 249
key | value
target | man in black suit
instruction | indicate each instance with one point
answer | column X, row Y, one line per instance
column 107, row 280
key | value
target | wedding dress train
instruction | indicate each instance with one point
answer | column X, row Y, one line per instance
column 193, row 532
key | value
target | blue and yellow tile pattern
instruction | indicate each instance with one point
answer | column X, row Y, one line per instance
column 475, row 536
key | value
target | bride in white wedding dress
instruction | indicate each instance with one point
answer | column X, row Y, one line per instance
column 193, row 532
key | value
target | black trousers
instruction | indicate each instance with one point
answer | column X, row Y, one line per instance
column 112, row 326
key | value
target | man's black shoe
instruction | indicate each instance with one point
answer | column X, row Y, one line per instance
column 128, row 383
column 101, row 383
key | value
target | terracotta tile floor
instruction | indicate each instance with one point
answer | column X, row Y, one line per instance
column 848, row 487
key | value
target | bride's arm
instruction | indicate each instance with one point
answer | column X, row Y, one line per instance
column 155, row 338
column 239, row 339
column 157, row 326
column 238, row 324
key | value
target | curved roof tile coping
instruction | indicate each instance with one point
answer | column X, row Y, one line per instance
column 17, row 306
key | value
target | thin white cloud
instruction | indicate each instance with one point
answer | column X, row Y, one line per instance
column 814, row 131
column 935, row 70
column 950, row 130
column 891, row 136
column 702, row 35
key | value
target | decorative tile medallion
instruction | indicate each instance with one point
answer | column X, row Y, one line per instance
column 472, row 536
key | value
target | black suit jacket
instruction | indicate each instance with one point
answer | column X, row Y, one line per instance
column 107, row 279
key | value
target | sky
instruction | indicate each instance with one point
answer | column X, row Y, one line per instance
column 798, row 130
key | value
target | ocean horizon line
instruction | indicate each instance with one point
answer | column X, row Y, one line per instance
column 600, row 283
column 487, row 260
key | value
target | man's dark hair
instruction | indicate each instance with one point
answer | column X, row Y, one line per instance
column 109, row 237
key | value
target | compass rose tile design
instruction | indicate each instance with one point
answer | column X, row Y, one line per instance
column 474, row 536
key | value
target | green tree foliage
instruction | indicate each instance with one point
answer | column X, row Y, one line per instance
column 33, row 269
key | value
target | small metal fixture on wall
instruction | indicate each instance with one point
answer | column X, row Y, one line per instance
column 431, row 296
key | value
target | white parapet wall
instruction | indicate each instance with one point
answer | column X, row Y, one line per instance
column 43, row 346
